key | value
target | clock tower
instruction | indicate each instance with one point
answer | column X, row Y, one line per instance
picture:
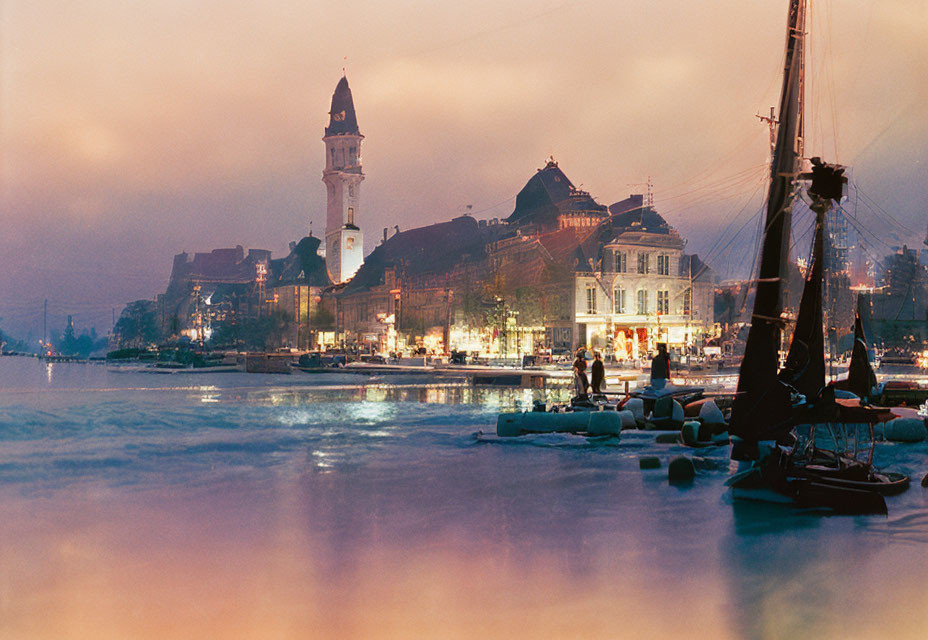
column 344, row 251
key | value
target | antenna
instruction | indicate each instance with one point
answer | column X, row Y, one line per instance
column 650, row 186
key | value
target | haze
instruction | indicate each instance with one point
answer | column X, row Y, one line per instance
column 132, row 131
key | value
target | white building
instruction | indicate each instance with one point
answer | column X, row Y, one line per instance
column 344, row 242
column 645, row 291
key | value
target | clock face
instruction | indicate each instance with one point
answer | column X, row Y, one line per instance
column 339, row 117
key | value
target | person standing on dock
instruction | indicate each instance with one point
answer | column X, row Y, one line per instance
column 660, row 367
column 598, row 373
column 580, row 380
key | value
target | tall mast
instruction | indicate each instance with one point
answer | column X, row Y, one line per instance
column 762, row 407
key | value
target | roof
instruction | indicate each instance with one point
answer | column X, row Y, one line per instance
column 436, row 248
column 342, row 117
column 645, row 239
column 303, row 266
column 549, row 193
column 640, row 219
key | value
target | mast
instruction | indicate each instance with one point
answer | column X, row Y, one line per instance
column 762, row 406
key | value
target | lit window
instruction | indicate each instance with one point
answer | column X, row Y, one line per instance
column 350, row 215
column 591, row 300
column 663, row 265
column 620, row 265
column 687, row 302
column 663, row 302
column 642, row 302
column 618, row 300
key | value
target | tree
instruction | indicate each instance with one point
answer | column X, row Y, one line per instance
column 137, row 325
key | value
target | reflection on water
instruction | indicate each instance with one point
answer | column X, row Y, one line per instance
column 273, row 507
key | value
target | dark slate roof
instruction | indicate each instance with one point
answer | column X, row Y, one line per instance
column 342, row 118
column 543, row 191
column 643, row 219
column 549, row 193
column 436, row 248
column 632, row 202
column 303, row 266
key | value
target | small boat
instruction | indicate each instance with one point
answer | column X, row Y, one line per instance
column 318, row 363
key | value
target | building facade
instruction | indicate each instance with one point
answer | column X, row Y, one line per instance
column 645, row 292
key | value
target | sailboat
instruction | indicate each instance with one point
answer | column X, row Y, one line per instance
column 861, row 380
column 793, row 441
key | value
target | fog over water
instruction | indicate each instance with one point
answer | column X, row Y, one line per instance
column 243, row 506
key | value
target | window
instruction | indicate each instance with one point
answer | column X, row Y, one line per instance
column 663, row 265
column 618, row 300
column 591, row 300
column 663, row 302
column 620, row 266
column 350, row 190
column 642, row 302
column 644, row 263
column 687, row 302
column 351, row 215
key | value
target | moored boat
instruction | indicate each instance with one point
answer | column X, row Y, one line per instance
column 791, row 437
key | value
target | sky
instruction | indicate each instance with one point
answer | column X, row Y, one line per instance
column 131, row 131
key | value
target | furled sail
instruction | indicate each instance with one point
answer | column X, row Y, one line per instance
column 762, row 406
column 805, row 364
column 860, row 376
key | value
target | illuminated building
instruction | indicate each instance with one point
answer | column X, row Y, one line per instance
column 344, row 250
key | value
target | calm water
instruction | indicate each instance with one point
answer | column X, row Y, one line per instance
column 258, row 506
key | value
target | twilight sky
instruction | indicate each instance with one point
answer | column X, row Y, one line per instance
column 131, row 131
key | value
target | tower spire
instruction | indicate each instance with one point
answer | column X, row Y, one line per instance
column 343, row 176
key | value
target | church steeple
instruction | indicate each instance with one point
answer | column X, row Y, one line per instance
column 342, row 177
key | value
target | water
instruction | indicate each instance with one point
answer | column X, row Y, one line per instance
column 261, row 506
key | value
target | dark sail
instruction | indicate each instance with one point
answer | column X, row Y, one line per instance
column 762, row 406
column 860, row 376
column 805, row 364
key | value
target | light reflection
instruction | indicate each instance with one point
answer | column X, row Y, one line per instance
column 321, row 462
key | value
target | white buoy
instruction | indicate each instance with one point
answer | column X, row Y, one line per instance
column 709, row 413
column 628, row 419
column 636, row 406
column 594, row 423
